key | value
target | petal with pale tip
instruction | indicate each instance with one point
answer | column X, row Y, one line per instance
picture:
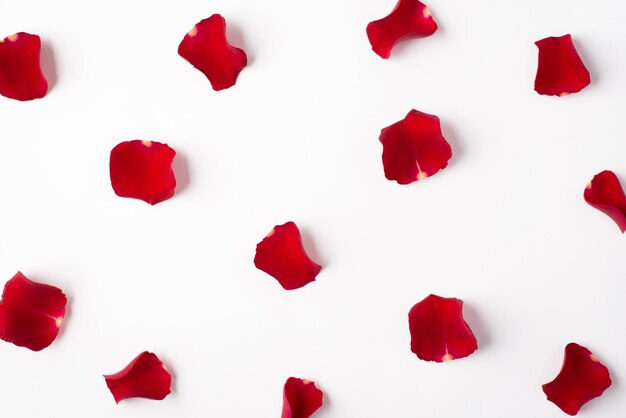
column 301, row 398
column 581, row 379
column 281, row 255
column 21, row 77
column 31, row 313
column 205, row 47
column 605, row 193
column 414, row 148
column 560, row 70
column 438, row 331
column 141, row 169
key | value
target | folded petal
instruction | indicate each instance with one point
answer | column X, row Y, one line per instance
column 414, row 148
column 604, row 192
column 144, row 377
column 300, row 398
column 21, row 77
column 560, row 70
column 205, row 47
column 409, row 19
column 143, row 170
column 581, row 379
column 282, row 256
column 438, row 330
column 30, row 313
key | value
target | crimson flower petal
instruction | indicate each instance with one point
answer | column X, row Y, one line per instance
column 604, row 192
column 30, row 313
column 300, row 398
column 21, row 77
column 143, row 170
column 282, row 256
column 438, row 330
column 205, row 47
column 581, row 379
column 409, row 19
column 144, row 377
column 560, row 70
column 414, row 148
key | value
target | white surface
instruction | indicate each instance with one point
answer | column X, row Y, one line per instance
column 504, row 227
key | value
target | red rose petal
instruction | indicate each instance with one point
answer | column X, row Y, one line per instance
column 438, row 330
column 144, row 377
column 300, row 398
column 21, row 77
column 414, row 148
column 206, row 48
column 282, row 256
column 560, row 70
column 581, row 379
column 143, row 170
column 409, row 19
column 30, row 313
column 604, row 192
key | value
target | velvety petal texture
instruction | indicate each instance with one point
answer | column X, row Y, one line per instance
column 21, row 77
column 143, row 170
column 560, row 70
column 144, row 377
column 205, row 47
column 438, row 330
column 409, row 19
column 300, row 398
column 282, row 256
column 604, row 192
column 31, row 313
column 414, row 148
column 581, row 379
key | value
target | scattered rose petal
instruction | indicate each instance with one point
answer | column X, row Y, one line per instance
column 205, row 47
column 143, row 170
column 409, row 19
column 560, row 70
column 581, row 379
column 282, row 256
column 414, row 148
column 438, row 330
column 300, row 398
column 144, row 377
column 21, row 77
column 604, row 192
column 30, row 313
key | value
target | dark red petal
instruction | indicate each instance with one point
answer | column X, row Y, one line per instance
column 409, row 19
column 414, row 148
column 30, row 313
column 581, row 379
column 438, row 330
column 282, row 256
column 604, row 192
column 144, row 377
column 300, row 398
column 206, row 48
column 21, row 77
column 560, row 70
column 143, row 170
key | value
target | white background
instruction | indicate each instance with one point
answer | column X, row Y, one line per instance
column 504, row 227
